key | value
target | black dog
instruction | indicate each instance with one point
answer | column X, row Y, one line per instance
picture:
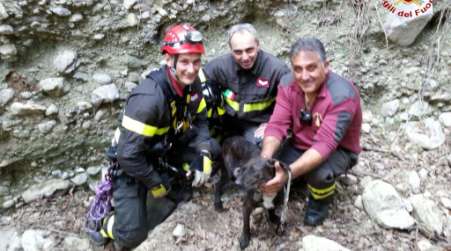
column 242, row 163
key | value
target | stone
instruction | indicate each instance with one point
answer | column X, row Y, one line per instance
column 76, row 244
column 446, row 202
column 135, row 63
column 6, row 29
column 390, row 108
column 9, row 239
column 93, row 170
column 358, row 202
column 65, row 61
column 317, row 243
column 414, row 181
column 29, row 108
column 99, row 115
column 8, row 203
column 132, row 20
column 3, row 13
column 419, row 109
column 179, row 231
column 80, row 179
column 130, row 86
column 37, row 240
column 365, row 181
column 52, row 109
column 52, row 86
column 407, row 181
column 75, row 18
column 424, row 245
column 8, row 51
column 26, row 94
column 423, row 173
column 128, row 4
column 429, row 217
column 348, row 179
column 83, row 106
column 428, row 134
column 385, row 206
column 46, row 126
column 105, row 94
column 366, row 128
column 60, row 11
column 45, row 189
column 98, row 36
column 404, row 30
column 6, row 95
column 102, row 78
column 445, row 119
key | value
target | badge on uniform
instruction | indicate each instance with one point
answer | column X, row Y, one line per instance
column 194, row 97
column 229, row 94
column 317, row 119
column 261, row 82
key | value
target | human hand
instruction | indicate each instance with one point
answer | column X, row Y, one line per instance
column 202, row 170
column 275, row 184
column 260, row 131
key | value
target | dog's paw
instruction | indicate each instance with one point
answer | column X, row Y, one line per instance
column 219, row 207
column 244, row 241
column 280, row 230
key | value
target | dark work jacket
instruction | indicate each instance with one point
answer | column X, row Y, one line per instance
column 248, row 95
column 147, row 131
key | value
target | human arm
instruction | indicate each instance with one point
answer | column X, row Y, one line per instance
column 142, row 131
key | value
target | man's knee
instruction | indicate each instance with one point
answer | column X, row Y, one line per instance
column 321, row 177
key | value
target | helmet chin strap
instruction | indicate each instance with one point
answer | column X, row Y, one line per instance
column 173, row 68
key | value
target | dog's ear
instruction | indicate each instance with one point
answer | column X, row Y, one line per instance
column 271, row 162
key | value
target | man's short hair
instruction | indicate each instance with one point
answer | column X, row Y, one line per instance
column 308, row 44
column 239, row 28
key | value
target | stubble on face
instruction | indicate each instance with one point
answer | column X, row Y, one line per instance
column 309, row 71
column 244, row 48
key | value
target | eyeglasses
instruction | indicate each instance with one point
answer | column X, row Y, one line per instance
column 194, row 37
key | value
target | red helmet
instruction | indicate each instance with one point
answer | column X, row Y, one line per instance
column 182, row 38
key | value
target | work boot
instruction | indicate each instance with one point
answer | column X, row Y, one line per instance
column 96, row 238
column 317, row 211
column 113, row 246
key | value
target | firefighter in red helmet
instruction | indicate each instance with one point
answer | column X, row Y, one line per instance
column 163, row 141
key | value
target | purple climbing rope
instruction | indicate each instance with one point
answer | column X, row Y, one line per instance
column 101, row 205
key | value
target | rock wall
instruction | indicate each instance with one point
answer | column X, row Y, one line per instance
column 67, row 66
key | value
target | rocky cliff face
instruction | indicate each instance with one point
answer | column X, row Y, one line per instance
column 66, row 67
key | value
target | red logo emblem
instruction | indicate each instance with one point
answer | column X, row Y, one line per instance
column 261, row 82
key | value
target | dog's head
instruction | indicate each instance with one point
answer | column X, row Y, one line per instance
column 254, row 173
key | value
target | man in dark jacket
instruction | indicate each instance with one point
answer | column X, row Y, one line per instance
column 244, row 85
column 323, row 112
column 163, row 137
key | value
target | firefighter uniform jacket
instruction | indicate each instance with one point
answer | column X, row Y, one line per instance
column 154, row 117
column 248, row 95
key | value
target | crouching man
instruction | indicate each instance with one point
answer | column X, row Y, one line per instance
column 163, row 136
column 323, row 112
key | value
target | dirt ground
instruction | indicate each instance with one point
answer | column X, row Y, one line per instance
column 63, row 213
